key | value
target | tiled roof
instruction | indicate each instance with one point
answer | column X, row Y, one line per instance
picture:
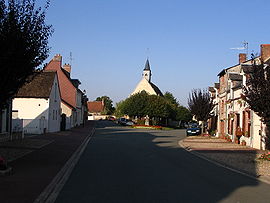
column 39, row 87
column 95, row 106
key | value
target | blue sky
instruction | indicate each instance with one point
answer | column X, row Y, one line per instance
column 189, row 41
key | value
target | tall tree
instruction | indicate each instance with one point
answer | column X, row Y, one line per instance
column 23, row 44
column 200, row 105
column 108, row 103
column 169, row 97
column 257, row 94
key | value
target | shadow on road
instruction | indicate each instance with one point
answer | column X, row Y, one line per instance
column 132, row 165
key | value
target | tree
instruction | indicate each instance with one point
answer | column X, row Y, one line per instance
column 180, row 113
column 169, row 97
column 200, row 105
column 257, row 94
column 142, row 104
column 136, row 105
column 108, row 104
column 183, row 114
column 23, row 44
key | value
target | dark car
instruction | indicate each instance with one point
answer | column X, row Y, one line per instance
column 194, row 129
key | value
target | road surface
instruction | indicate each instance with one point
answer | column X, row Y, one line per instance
column 121, row 164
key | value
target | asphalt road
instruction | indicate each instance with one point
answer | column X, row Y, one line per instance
column 143, row 166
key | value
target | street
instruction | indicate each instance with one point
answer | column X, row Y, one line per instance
column 121, row 164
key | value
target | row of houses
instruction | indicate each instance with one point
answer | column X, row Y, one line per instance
column 232, row 117
column 50, row 102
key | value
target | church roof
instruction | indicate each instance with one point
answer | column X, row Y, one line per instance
column 156, row 89
column 147, row 65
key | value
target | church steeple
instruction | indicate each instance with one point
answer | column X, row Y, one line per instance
column 146, row 71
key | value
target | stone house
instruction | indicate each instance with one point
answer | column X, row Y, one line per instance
column 235, row 119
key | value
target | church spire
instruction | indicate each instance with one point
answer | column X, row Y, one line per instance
column 146, row 71
column 147, row 65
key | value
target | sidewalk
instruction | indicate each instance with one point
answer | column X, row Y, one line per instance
column 228, row 154
column 36, row 161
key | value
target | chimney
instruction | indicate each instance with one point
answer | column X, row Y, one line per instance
column 265, row 52
column 57, row 57
column 67, row 67
column 242, row 58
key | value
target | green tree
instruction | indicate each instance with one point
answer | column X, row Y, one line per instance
column 108, row 104
column 183, row 114
column 136, row 104
column 180, row 113
column 169, row 97
column 200, row 105
column 23, row 44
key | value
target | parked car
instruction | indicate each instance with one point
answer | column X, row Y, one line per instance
column 193, row 129
column 129, row 123
column 124, row 121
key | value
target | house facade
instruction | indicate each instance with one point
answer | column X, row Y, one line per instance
column 236, row 120
column 95, row 109
column 36, row 107
column 71, row 95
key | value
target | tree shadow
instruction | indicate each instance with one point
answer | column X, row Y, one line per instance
column 131, row 165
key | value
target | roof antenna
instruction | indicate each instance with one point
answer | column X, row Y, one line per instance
column 70, row 58
column 244, row 47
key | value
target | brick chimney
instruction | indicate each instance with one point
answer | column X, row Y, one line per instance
column 57, row 57
column 265, row 52
column 242, row 58
column 67, row 67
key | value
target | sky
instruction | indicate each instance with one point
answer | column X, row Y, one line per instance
column 188, row 42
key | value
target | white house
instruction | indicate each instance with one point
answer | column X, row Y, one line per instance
column 37, row 105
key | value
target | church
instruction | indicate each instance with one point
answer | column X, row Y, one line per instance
column 146, row 84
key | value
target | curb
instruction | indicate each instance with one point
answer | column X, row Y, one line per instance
column 188, row 149
column 52, row 191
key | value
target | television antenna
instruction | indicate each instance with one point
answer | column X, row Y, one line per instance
column 244, row 47
column 70, row 58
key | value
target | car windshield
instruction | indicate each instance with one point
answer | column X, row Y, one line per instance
column 194, row 125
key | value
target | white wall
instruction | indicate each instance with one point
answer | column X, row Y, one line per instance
column 32, row 111
column 31, row 108
column 55, row 108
